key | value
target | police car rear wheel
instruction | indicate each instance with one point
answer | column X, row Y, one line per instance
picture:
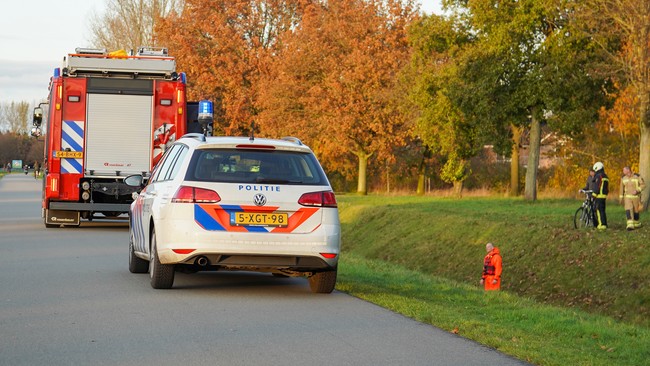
column 162, row 275
column 323, row 282
column 136, row 265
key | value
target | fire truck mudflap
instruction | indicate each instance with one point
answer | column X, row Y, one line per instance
column 58, row 217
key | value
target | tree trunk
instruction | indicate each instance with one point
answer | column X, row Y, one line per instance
column 530, row 193
column 458, row 188
column 514, row 161
column 421, row 176
column 387, row 178
column 362, row 186
column 644, row 145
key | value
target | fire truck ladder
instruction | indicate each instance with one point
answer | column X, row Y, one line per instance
column 149, row 62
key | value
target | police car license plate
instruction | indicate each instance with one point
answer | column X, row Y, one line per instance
column 260, row 219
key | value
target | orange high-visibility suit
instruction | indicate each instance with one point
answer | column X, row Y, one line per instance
column 492, row 270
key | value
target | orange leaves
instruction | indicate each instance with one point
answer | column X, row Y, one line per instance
column 324, row 72
column 622, row 118
column 224, row 46
column 613, row 139
column 336, row 74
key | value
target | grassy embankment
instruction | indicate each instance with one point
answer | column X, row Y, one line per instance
column 570, row 297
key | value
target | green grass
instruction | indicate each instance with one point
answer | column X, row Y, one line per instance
column 570, row 297
column 3, row 173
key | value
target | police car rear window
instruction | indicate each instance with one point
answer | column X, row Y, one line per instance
column 255, row 166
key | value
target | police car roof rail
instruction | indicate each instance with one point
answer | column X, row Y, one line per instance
column 295, row 140
column 196, row 136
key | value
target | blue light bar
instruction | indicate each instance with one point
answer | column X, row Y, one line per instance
column 205, row 110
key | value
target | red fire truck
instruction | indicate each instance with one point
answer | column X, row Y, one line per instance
column 108, row 116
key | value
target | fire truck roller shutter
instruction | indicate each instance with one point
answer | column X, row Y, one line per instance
column 118, row 134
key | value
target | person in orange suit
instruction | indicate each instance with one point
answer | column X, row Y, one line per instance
column 492, row 268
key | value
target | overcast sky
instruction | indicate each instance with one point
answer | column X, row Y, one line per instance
column 35, row 35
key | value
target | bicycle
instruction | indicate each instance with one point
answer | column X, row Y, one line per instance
column 584, row 216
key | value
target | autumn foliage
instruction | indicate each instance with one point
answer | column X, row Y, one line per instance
column 332, row 73
column 324, row 72
column 223, row 46
column 612, row 139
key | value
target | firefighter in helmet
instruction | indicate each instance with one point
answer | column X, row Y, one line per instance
column 492, row 268
column 632, row 185
column 600, row 195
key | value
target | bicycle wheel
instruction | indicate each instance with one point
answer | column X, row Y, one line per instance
column 589, row 217
column 581, row 219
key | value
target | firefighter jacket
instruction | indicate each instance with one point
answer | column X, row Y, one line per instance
column 602, row 184
column 631, row 186
column 492, row 267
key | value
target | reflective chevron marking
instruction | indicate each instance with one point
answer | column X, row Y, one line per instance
column 72, row 139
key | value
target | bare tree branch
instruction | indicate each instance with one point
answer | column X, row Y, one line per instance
column 129, row 24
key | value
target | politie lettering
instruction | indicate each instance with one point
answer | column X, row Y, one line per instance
column 261, row 188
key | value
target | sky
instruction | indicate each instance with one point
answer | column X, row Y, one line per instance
column 35, row 35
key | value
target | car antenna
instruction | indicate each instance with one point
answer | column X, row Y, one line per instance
column 252, row 137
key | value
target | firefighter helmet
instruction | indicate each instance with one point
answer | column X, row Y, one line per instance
column 598, row 166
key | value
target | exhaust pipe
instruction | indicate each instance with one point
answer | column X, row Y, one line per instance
column 202, row 261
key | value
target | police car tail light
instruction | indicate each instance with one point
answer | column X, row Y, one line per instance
column 321, row 199
column 186, row 194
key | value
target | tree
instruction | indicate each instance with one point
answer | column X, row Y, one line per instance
column 336, row 78
column 15, row 146
column 35, row 152
column 442, row 126
column 622, row 30
column 224, row 47
column 613, row 139
column 14, row 117
column 516, row 133
column 8, row 148
column 526, row 68
column 129, row 24
column 4, row 123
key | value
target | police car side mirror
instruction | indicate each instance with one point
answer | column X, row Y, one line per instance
column 134, row 180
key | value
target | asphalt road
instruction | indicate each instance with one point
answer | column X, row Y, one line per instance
column 67, row 298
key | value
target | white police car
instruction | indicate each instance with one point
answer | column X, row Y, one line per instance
column 235, row 203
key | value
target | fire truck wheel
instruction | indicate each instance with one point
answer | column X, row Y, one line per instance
column 162, row 275
column 136, row 265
